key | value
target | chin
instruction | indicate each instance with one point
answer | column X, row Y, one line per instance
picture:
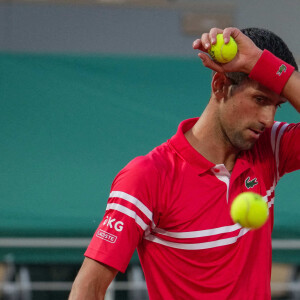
column 247, row 147
column 243, row 145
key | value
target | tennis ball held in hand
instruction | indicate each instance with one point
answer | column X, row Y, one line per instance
column 221, row 52
column 249, row 210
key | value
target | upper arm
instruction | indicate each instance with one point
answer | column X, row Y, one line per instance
column 128, row 215
column 92, row 280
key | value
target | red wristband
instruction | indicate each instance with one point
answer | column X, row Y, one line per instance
column 271, row 72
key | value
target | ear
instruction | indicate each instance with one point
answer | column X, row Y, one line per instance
column 220, row 85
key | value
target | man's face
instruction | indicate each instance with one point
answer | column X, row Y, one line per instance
column 246, row 112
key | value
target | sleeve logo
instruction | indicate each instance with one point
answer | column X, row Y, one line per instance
column 106, row 236
column 110, row 223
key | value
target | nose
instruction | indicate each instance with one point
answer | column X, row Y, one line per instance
column 267, row 115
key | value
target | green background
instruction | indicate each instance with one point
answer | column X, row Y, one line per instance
column 69, row 123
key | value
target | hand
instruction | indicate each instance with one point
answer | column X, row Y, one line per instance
column 247, row 56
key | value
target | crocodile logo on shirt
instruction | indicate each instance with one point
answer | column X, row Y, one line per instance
column 282, row 68
column 250, row 183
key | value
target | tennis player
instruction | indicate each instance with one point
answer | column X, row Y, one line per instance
column 173, row 203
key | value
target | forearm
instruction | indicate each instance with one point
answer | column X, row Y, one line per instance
column 85, row 292
column 92, row 281
column 291, row 90
column 247, row 58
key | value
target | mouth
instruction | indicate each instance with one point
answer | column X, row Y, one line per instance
column 255, row 133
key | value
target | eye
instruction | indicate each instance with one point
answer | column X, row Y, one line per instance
column 260, row 100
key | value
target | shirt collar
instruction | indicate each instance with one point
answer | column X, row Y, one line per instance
column 184, row 149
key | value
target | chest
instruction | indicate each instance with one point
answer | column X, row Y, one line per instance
column 193, row 202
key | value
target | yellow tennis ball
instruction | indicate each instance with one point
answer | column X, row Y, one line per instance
column 249, row 210
column 221, row 52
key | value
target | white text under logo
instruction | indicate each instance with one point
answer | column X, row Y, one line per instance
column 111, row 223
column 106, row 236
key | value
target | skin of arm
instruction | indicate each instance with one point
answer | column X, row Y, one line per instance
column 245, row 60
column 92, row 281
column 291, row 90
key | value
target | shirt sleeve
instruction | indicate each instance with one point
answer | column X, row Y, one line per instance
column 286, row 147
column 128, row 215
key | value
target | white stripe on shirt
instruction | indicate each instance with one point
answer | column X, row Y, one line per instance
column 273, row 135
column 199, row 233
column 143, row 208
column 197, row 246
column 281, row 131
column 128, row 212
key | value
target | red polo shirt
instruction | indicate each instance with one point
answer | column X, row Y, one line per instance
column 173, row 205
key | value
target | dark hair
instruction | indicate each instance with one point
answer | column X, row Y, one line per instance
column 265, row 39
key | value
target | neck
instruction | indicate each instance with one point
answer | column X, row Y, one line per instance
column 206, row 137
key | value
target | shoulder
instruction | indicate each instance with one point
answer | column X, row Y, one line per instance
column 278, row 133
column 273, row 136
column 143, row 178
column 147, row 169
column 277, row 149
column 155, row 161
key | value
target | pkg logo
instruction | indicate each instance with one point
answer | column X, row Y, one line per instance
column 111, row 223
column 106, row 236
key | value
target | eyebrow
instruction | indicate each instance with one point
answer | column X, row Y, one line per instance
column 263, row 95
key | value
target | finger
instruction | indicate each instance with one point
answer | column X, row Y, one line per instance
column 199, row 46
column 227, row 32
column 207, row 62
column 213, row 35
column 230, row 31
column 196, row 44
column 205, row 41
